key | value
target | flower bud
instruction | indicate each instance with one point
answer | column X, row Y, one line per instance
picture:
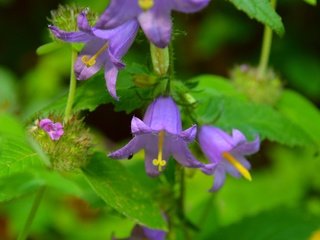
column 65, row 17
column 160, row 59
column 259, row 90
column 67, row 146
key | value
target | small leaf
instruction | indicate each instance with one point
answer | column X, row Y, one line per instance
column 48, row 48
column 121, row 191
column 262, row 11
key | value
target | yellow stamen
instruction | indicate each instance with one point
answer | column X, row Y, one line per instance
column 145, row 5
column 244, row 172
column 159, row 162
column 90, row 61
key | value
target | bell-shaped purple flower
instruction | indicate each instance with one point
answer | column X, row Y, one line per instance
column 160, row 135
column 154, row 16
column 226, row 153
column 54, row 130
column 104, row 48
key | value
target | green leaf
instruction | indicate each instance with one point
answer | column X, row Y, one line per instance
column 262, row 11
column 93, row 92
column 311, row 2
column 264, row 120
column 48, row 47
column 16, row 153
column 8, row 91
column 276, row 224
column 221, row 104
column 302, row 112
column 121, row 191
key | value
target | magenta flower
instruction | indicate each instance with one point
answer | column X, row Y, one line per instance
column 154, row 16
column 160, row 135
column 226, row 153
column 104, row 48
column 55, row 130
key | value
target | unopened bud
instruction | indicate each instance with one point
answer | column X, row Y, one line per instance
column 260, row 90
column 160, row 59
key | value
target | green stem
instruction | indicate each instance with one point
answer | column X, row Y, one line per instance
column 266, row 47
column 72, row 87
column 36, row 203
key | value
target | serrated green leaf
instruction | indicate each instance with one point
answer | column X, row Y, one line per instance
column 16, row 154
column 92, row 93
column 311, row 2
column 121, row 191
column 264, row 120
column 262, row 11
column 302, row 112
column 276, row 224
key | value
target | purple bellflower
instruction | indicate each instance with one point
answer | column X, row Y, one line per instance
column 160, row 135
column 226, row 153
column 154, row 16
column 140, row 233
column 55, row 130
column 104, row 48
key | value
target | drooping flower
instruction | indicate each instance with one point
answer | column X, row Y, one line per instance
column 140, row 232
column 160, row 135
column 55, row 130
column 226, row 153
column 154, row 16
column 104, row 48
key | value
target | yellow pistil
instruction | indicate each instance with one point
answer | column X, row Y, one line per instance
column 90, row 61
column 159, row 162
column 244, row 172
column 145, row 5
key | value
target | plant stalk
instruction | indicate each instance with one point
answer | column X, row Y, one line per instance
column 35, row 206
column 266, row 47
column 72, row 87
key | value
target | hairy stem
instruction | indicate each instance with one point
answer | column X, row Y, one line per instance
column 266, row 47
column 36, row 203
column 72, row 87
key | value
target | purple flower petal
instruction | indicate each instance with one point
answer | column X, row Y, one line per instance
column 70, row 36
column 248, row 148
column 219, row 178
column 118, row 12
column 189, row 6
column 54, row 130
column 83, row 71
column 139, row 127
column 83, row 23
column 110, row 74
column 131, row 148
column 123, row 38
column 154, row 234
column 182, row 154
column 156, row 24
column 163, row 114
column 189, row 134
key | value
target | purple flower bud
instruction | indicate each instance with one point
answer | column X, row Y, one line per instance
column 55, row 130
column 160, row 135
column 226, row 153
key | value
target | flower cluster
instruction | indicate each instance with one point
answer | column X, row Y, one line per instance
column 113, row 34
column 160, row 135
column 160, row 132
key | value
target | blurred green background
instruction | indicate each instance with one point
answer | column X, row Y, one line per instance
column 283, row 201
